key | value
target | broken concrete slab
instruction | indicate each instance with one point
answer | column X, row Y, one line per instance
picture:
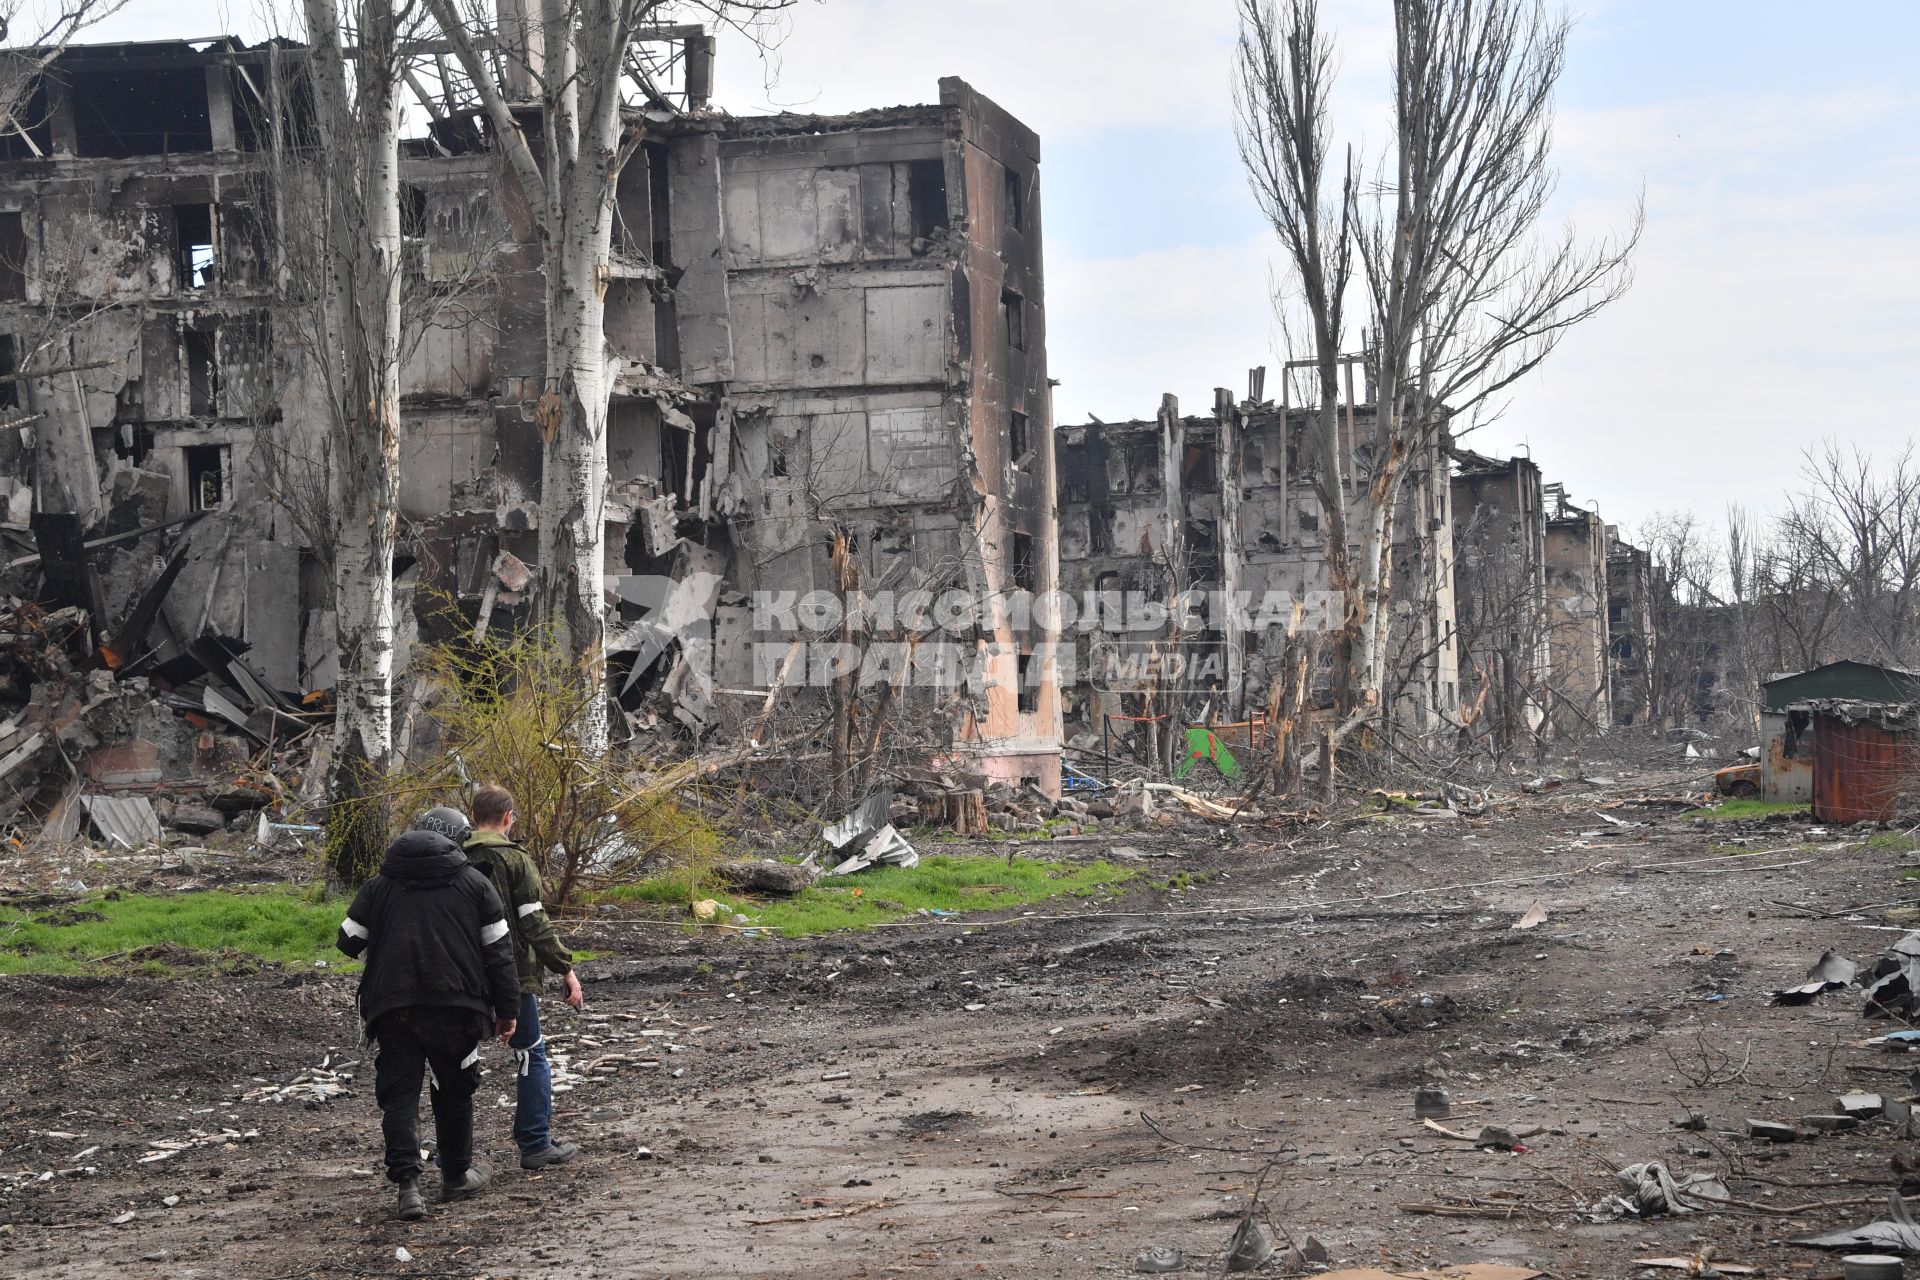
column 1772, row 1131
column 1861, row 1106
column 767, row 876
column 195, row 819
column 1829, row 1124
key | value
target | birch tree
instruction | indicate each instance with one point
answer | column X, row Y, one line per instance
column 574, row 55
column 356, row 363
column 1462, row 295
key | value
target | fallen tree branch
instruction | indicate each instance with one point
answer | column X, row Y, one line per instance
column 882, row 1203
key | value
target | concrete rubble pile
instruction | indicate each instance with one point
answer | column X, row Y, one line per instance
column 130, row 701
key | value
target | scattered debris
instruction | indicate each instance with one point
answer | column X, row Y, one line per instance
column 1772, row 1131
column 1894, row 980
column 1701, row 1264
column 865, row 838
column 1860, row 1106
column 768, row 876
column 1653, row 1191
column 1476, row 1271
column 1532, row 918
column 1249, row 1248
column 1431, row 1103
column 1493, row 1136
column 1896, row 1232
column 1159, row 1258
column 312, row 1086
column 127, row 822
column 1831, row 972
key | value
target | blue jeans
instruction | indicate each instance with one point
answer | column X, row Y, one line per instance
column 533, row 1105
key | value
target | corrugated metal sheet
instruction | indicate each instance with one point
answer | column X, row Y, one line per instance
column 128, row 822
column 1845, row 679
column 1859, row 769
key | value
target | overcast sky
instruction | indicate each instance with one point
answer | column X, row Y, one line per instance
column 1775, row 290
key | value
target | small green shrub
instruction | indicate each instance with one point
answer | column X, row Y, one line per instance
column 507, row 709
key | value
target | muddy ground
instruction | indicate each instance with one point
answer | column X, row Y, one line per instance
column 1045, row 1095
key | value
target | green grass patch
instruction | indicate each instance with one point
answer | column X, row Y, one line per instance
column 942, row 882
column 1743, row 807
column 159, row 934
column 1892, row 842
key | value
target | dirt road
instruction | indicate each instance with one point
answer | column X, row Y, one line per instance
column 1043, row 1096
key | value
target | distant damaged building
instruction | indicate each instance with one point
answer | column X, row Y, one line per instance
column 1580, row 675
column 1225, row 508
column 1500, row 549
column 831, row 346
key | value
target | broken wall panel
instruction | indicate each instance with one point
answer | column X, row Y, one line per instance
column 697, row 234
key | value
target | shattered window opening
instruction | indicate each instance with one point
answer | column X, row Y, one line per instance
column 1019, row 447
column 1198, row 466
column 927, row 198
column 207, row 475
column 203, row 373
column 1100, row 530
column 413, row 227
column 13, row 256
column 193, row 234
column 1016, row 202
column 1015, row 307
column 1025, row 574
column 1028, row 696
column 120, row 112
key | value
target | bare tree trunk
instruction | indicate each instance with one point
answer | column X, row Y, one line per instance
column 582, row 48
column 1463, row 298
column 573, row 482
column 363, row 267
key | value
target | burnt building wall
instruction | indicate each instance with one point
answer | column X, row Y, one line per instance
column 1142, row 512
column 1500, row 584
column 1631, row 641
column 1580, row 676
column 810, row 319
column 889, row 381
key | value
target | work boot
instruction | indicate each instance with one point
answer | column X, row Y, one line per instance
column 412, row 1206
column 476, row 1177
column 552, row 1153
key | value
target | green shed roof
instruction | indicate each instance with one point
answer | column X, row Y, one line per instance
column 1859, row 681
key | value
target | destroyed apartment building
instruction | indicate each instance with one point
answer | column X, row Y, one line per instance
column 826, row 327
column 1556, row 611
column 1228, row 503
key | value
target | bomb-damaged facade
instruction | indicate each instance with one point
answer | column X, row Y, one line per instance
column 830, row 332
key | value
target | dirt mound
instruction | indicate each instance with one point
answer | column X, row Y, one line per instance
column 1246, row 1038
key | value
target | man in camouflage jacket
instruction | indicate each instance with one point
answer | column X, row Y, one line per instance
column 536, row 947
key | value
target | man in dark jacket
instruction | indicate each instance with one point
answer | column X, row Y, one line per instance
column 536, row 946
column 439, row 977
